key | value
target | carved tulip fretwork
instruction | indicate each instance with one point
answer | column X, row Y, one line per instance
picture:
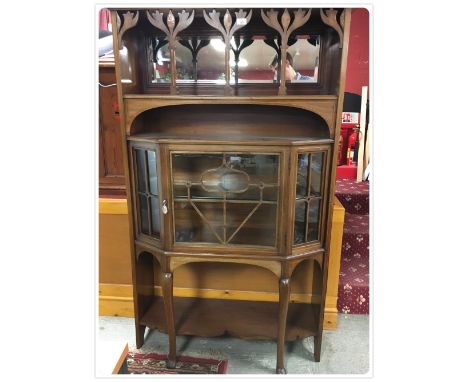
column 130, row 19
column 227, row 29
column 285, row 28
column 329, row 17
column 171, row 30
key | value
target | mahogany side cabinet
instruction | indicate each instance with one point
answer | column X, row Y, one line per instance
column 229, row 123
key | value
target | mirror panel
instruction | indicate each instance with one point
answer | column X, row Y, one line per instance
column 305, row 60
column 256, row 61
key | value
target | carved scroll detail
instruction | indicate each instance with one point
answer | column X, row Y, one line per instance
column 284, row 29
column 329, row 18
column 227, row 31
column 130, row 20
column 171, row 30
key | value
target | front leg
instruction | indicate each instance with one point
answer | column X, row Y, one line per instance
column 283, row 314
column 169, row 312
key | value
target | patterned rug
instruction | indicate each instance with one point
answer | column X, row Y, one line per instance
column 354, row 196
column 153, row 363
column 353, row 292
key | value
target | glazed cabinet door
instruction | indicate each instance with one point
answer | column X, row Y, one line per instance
column 228, row 198
column 310, row 186
column 148, row 202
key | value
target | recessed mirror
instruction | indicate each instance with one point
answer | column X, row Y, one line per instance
column 254, row 62
column 204, row 66
column 251, row 60
column 303, row 60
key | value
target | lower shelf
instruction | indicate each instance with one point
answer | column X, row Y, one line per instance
column 242, row 319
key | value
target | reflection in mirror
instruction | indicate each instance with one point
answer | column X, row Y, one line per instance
column 194, row 45
column 304, row 55
column 157, row 62
column 208, row 67
column 162, row 68
column 125, row 68
column 254, row 62
column 160, row 61
column 211, row 62
column 251, row 60
column 302, row 59
column 184, row 66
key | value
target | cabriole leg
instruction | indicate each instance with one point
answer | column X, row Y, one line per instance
column 169, row 312
column 283, row 314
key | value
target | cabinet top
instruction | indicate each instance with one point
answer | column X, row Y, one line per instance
column 230, row 51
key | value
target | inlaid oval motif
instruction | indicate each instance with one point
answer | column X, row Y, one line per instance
column 224, row 179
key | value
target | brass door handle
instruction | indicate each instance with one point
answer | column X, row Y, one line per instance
column 164, row 207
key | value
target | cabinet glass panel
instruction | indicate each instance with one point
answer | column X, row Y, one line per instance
column 140, row 159
column 155, row 215
column 144, row 216
column 251, row 226
column 313, row 219
column 302, row 174
column 225, row 198
column 299, row 222
column 149, row 213
column 153, row 176
column 309, row 191
column 316, row 164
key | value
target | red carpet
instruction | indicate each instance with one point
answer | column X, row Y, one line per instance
column 353, row 288
column 153, row 363
column 353, row 196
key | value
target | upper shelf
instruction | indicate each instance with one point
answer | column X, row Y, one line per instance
column 231, row 123
column 321, row 109
column 229, row 52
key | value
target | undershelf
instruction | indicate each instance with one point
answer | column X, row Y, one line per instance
column 242, row 319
